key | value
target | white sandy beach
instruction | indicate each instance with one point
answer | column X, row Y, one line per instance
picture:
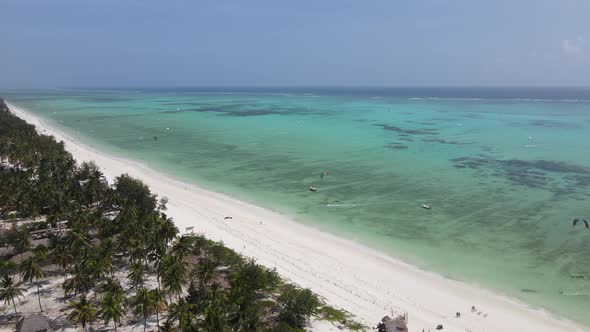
column 348, row 275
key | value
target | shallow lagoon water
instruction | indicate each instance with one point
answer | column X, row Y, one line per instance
column 505, row 174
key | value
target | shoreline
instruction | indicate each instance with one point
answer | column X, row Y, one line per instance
column 348, row 275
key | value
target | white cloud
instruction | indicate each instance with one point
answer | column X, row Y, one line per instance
column 572, row 46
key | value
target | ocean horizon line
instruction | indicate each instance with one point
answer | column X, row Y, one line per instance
column 499, row 93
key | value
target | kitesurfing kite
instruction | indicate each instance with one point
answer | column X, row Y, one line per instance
column 580, row 219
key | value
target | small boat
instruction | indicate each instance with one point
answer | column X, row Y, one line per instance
column 312, row 189
column 426, row 206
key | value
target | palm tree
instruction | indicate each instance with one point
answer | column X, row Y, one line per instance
column 30, row 271
column 80, row 281
column 157, row 253
column 167, row 326
column 111, row 286
column 135, row 275
column 215, row 318
column 61, row 256
column 159, row 302
column 197, row 296
column 9, row 290
column 181, row 311
column 138, row 250
column 93, row 189
column 97, row 267
column 166, row 230
column 183, row 246
column 206, row 271
column 143, row 304
column 173, row 273
column 20, row 239
column 249, row 283
column 106, row 254
column 111, row 308
column 78, row 241
column 83, row 312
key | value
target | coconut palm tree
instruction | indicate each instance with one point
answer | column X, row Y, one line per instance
column 166, row 230
column 61, row 256
column 197, row 296
column 78, row 241
column 249, row 283
column 9, row 290
column 157, row 253
column 245, row 317
column 83, row 312
column 135, row 275
column 111, row 307
column 138, row 250
column 215, row 317
column 206, row 271
column 80, row 281
column 168, row 326
column 31, row 271
column 111, row 286
column 96, row 266
column 173, row 274
column 92, row 189
column 180, row 311
column 20, row 239
column 159, row 302
column 143, row 304
column 183, row 246
column 106, row 254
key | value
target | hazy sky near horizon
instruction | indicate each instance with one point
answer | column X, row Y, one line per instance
column 75, row 43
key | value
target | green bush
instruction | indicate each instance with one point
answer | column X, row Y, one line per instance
column 296, row 305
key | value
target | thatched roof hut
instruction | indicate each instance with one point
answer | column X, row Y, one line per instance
column 397, row 324
column 17, row 259
column 34, row 323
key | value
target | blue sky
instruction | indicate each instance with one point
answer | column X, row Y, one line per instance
column 58, row 43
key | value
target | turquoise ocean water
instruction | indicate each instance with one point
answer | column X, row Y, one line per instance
column 504, row 170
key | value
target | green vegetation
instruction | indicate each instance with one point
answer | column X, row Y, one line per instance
column 83, row 312
column 111, row 307
column 120, row 255
column 296, row 305
column 9, row 291
column 31, row 271
column 340, row 317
